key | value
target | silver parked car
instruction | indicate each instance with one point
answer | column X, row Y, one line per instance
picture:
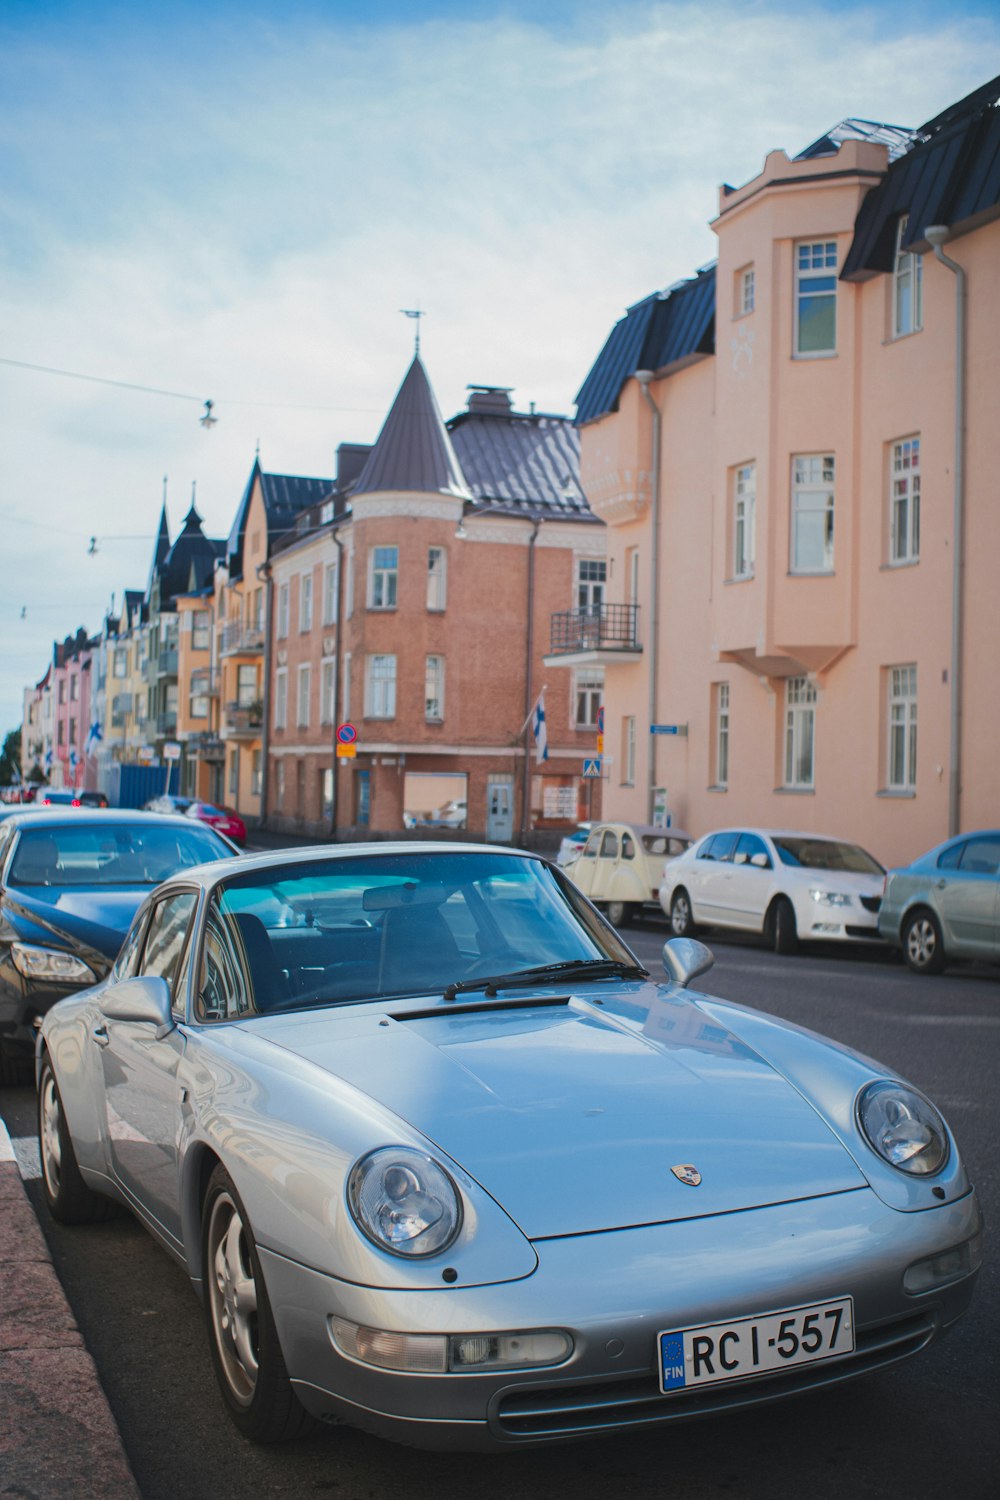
column 946, row 904
column 448, row 1164
column 790, row 886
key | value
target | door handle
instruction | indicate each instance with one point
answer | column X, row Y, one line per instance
column 941, row 885
column 100, row 1035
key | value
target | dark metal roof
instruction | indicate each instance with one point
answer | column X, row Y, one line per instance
column 952, row 176
column 663, row 331
column 189, row 564
column 284, row 496
column 520, row 461
column 413, row 451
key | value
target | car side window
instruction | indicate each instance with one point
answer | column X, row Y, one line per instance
column 747, row 845
column 951, row 858
column 126, row 963
column 980, row 855
column 723, row 845
column 705, row 849
column 628, row 847
column 223, row 992
column 592, row 846
column 166, row 936
column 609, row 846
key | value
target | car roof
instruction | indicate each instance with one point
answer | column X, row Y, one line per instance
column 208, row 875
column 644, row 830
column 98, row 817
column 784, row 833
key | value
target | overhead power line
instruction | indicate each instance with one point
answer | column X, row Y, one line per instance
column 155, row 390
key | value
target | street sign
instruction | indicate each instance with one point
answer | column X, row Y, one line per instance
column 592, row 767
column 600, row 744
column 346, row 752
column 680, row 729
column 600, row 719
column 346, row 734
column 171, row 750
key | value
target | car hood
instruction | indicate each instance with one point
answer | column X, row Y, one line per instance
column 79, row 919
column 573, row 1114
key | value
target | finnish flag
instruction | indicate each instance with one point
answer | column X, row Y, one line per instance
column 539, row 730
column 96, row 734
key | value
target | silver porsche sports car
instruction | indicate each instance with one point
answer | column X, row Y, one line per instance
column 446, row 1163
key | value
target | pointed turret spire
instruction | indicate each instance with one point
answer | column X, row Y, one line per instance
column 162, row 546
column 414, row 451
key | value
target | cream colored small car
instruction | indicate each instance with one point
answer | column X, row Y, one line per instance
column 621, row 866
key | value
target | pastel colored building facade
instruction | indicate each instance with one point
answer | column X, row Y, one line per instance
column 793, row 453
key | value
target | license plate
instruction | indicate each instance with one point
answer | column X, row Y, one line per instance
column 755, row 1346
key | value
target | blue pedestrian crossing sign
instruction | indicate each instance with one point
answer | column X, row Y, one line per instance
column 592, row 767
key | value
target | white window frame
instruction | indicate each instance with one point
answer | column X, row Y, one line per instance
column 330, row 594
column 591, row 581
column 746, row 291
column 907, row 287
column 283, row 610
column 721, row 778
column 256, row 768
column 588, row 695
column 327, row 672
column 281, row 698
column 345, row 689
column 380, row 686
column 234, row 772
column 744, row 519
column 247, row 690
column 201, row 629
column 383, row 576
column 904, row 501
column 437, row 578
column 628, row 750
column 815, row 267
column 813, row 512
column 305, row 602
column 800, row 733
column 434, row 689
column 303, row 694
column 901, row 728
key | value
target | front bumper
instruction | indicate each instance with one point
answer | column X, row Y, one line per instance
column 614, row 1292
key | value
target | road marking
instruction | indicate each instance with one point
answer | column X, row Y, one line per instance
column 27, row 1156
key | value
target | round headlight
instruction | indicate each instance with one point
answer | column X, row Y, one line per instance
column 404, row 1201
column 903, row 1128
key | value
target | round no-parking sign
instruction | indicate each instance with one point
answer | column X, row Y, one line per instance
column 346, row 734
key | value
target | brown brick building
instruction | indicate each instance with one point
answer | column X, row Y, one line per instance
column 413, row 603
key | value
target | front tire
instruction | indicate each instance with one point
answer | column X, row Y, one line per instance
column 785, row 933
column 249, row 1365
column 681, row 920
column 923, row 946
column 69, row 1198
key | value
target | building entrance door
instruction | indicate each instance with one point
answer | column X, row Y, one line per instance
column 500, row 809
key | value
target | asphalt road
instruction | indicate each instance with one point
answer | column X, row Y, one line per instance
column 927, row 1429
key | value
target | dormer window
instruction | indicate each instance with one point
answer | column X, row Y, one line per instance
column 907, row 286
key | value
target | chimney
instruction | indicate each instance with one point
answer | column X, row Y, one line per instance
column 490, row 400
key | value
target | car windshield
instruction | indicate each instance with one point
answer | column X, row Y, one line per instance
column 362, row 927
column 110, row 854
column 825, row 854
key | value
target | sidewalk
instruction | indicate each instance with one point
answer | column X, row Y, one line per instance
column 58, row 1439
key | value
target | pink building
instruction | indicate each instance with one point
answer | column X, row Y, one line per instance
column 72, row 764
column 793, row 453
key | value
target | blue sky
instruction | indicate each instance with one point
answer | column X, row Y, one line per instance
column 234, row 202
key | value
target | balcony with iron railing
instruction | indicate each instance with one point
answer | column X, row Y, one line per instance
column 206, row 745
column 603, row 634
column 243, row 639
column 166, row 662
column 166, row 722
column 243, row 719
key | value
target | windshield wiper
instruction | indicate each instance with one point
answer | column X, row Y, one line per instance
column 579, row 968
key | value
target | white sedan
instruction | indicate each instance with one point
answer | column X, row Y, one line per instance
column 788, row 886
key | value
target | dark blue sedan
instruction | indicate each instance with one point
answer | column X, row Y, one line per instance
column 70, row 884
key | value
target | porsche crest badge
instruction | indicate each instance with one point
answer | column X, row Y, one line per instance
column 686, row 1173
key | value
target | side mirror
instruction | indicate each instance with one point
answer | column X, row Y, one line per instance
column 761, row 861
column 145, row 1000
column 685, row 958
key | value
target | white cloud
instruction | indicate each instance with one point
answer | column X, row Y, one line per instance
column 237, row 209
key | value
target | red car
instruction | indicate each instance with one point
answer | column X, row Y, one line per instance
column 223, row 819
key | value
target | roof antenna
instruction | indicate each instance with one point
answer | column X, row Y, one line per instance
column 417, row 314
